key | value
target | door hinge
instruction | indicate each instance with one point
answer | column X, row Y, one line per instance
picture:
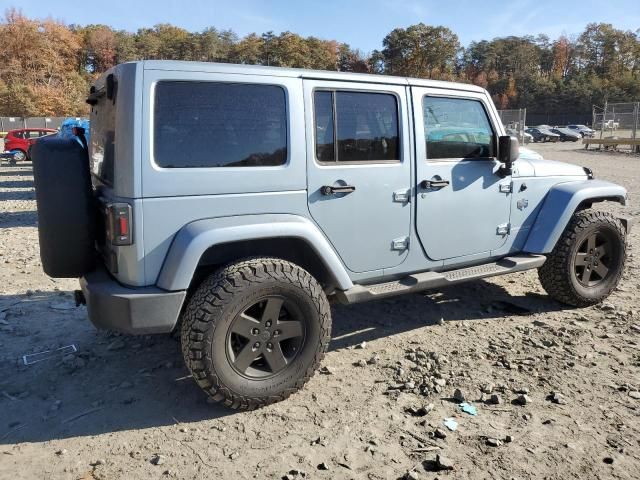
column 506, row 187
column 503, row 229
column 401, row 243
column 401, row 196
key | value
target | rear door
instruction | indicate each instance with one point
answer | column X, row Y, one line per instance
column 358, row 169
column 462, row 205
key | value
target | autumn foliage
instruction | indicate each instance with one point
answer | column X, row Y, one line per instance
column 46, row 67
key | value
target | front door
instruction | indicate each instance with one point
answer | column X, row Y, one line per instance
column 358, row 170
column 462, row 205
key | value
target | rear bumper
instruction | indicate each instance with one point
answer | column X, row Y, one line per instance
column 131, row 310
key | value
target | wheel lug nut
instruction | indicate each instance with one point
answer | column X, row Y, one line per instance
column 276, row 333
column 255, row 331
column 256, row 345
column 268, row 323
column 270, row 346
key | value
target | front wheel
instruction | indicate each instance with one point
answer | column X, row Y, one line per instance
column 587, row 262
column 255, row 331
column 19, row 156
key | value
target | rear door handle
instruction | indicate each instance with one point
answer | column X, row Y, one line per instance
column 434, row 183
column 330, row 190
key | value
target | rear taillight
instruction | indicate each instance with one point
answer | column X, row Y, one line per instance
column 119, row 224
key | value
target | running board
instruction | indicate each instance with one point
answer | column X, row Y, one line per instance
column 427, row 280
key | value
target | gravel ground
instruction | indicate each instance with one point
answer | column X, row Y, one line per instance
column 556, row 389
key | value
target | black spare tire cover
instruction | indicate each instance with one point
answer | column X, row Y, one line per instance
column 66, row 207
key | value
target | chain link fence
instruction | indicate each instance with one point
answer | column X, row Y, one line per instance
column 618, row 121
column 12, row 123
column 515, row 122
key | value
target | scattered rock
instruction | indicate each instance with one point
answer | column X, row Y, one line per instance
column 411, row 475
column 495, row 399
column 361, row 363
column 441, row 382
column 458, row 395
column 323, row 466
column 508, row 439
column 487, row 388
column 556, row 398
column 608, row 460
column 326, row 370
column 635, row 395
column 444, row 463
column 439, row 433
column 61, row 452
column 100, row 461
column 493, row 442
column 419, row 411
column 374, row 360
column 294, row 475
column 157, row 459
column 522, row 400
column 362, row 345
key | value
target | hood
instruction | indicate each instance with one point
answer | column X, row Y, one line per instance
column 551, row 168
column 528, row 154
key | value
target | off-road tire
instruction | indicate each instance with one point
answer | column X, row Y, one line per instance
column 220, row 298
column 558, row 276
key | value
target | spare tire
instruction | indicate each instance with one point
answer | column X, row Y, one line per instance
column 66, row 207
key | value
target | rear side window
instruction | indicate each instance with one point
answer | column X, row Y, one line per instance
column 456, row 128
column 18, row 134
column 208, row 124
column 356, row 126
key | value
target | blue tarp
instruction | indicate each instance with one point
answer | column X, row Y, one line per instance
column 66, row 129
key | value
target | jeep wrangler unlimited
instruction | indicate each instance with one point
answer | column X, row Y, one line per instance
column 232, row 202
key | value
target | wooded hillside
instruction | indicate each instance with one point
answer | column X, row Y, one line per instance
column 46, row 66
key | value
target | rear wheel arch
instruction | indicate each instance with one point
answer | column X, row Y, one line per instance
column 292, row 249
column 205, row 244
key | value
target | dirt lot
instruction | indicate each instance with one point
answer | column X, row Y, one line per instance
column 124, row 407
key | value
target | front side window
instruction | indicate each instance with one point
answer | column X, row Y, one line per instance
column 456, row 128
column 208, row 124
column 356, row 126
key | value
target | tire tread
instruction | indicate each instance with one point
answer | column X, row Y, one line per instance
column 215, row 293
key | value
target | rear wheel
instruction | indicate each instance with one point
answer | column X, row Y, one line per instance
column 587, row 262
column 255, row 331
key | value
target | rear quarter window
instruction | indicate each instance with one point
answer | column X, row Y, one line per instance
column 102, row 140
column 213, row 124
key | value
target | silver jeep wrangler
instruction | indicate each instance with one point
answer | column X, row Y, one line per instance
column 234, row 202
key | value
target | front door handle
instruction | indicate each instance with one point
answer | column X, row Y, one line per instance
column 426, row 184
column 331, row 190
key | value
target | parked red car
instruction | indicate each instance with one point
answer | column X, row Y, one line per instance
column 20, row 141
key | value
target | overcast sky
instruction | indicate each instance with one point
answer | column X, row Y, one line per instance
column 360, row 23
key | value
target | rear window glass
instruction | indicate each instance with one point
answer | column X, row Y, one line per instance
column 208, row 124
column 366, row 126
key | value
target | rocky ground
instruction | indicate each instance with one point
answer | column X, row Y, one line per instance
column 555, row 389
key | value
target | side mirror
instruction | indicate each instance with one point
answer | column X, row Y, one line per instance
column 508, row 152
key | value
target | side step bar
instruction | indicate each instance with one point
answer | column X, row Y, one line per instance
column 428, row 280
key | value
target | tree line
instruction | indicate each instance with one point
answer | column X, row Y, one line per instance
column 46, row 66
